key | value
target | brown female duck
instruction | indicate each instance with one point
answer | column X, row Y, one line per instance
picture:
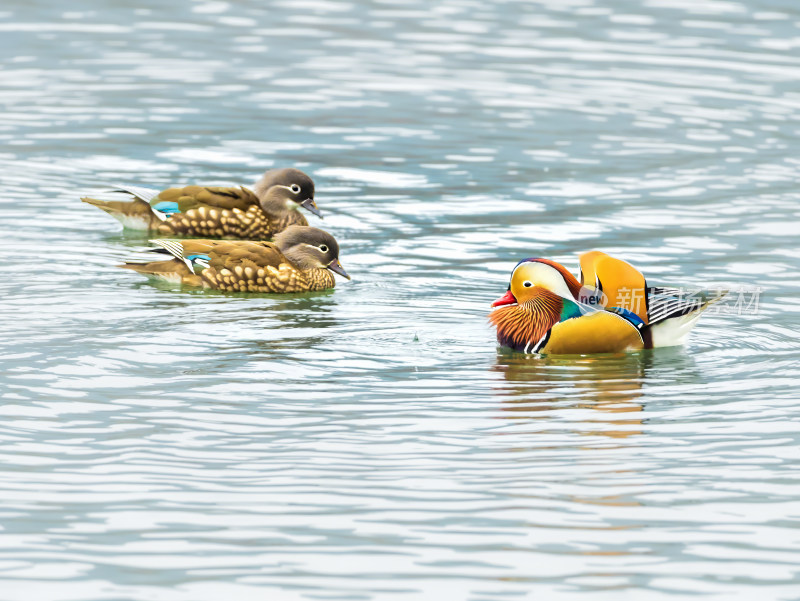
column 216, row 212
column 300, row 260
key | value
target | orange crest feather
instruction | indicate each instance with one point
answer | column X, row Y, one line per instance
column 520, row 326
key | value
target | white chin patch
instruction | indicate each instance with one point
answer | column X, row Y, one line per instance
column 292, row 205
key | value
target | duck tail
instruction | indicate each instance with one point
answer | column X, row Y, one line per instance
column 133, row 213
column 173, row 270
column 675, row 317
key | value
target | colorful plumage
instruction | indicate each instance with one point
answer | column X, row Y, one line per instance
column 215, row 212
column 547, row 310
column 300, row 260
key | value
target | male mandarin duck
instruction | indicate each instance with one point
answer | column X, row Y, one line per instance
column 300, row 260
column 547, row 310
column 216, row 212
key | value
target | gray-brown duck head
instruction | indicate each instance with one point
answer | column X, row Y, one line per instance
column 310, row 248
column 281, row 190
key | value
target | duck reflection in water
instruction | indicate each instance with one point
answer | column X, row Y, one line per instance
column 614, row 385
column 289, row 322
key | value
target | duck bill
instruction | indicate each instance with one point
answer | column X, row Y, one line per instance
column 336, row 267
column 311, row 207
column 506, row 299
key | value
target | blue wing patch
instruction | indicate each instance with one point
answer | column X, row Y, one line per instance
column 197, row 260
column 168, row 207
column 629, row 315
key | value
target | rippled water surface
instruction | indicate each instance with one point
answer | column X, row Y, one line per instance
column 371, row 442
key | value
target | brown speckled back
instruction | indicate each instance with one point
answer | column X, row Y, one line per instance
column 233, row 213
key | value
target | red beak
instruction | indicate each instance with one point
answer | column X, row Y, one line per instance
column 506, row 299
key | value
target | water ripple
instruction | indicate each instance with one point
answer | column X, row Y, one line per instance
column 371, row 442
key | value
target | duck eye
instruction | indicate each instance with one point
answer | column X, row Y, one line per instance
column 295, row 188
column 323, row 248
column 527, row 283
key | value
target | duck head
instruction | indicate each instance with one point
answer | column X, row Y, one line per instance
column 310, row 248
column 541, row 293
column 281, row 190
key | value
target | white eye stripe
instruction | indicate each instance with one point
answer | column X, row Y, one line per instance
column 322, row 247
column 294, row 188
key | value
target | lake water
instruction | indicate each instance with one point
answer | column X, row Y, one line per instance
column 371, row 442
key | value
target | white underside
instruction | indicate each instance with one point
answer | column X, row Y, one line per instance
column 131, row 223
column 674, row 331
column 172, row 278
column 130, row 194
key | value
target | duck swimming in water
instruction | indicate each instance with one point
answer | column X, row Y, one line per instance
column 301, row 259
column 611, row 309
column 215, row 212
